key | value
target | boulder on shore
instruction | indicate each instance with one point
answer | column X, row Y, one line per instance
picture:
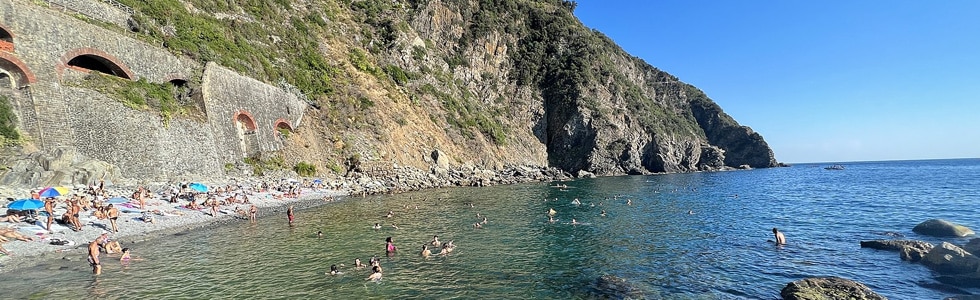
column 912, row 251
column 942, row 228
column 815, row 288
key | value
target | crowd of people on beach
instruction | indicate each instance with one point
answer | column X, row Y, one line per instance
column 102, row 208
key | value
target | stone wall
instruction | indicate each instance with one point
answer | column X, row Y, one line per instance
column 45, row 39
column 61, row 118
column 228, row 95
column 100, row 10
column 137, row 141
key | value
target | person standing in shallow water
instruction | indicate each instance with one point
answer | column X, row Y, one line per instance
column 390, row 246
column 780, row 238
column 289, row 215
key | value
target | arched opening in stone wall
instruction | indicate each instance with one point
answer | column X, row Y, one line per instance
column 99, row 64
column 245, row 131
column 182, row 92
column 15, row 70
column 6, row 40
column 282, row 128
column 7, row 81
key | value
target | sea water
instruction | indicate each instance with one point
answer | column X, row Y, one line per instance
column 684, row 236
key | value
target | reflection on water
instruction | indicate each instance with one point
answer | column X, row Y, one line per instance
column 692, row 236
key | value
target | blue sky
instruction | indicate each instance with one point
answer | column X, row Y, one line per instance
column 822, row 81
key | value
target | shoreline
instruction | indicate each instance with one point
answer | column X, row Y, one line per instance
column 131, row 231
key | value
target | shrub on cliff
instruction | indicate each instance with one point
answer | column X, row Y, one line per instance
column 8, row 121
column 305, row 169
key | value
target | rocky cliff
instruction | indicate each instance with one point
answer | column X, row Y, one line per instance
column 483, row 83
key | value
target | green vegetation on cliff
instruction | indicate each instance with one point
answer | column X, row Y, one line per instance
column 8, row 122
column 466, row 66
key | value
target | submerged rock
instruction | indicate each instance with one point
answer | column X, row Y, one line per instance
column 912, row 251
column 942, row 228
column 612, row 287
column 827, row 288
column 973, row 246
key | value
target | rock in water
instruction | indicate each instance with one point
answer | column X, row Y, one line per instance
column 973, row 246
column 912, row 251
column 612, row 287
column 822, row 288
column 949, row 259
column 942, row 228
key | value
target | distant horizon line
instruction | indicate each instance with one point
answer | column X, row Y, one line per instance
column 883, row 160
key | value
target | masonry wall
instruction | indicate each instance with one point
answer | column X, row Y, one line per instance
column 58, row 115
column 227, row 93
column 94, row 9
column 45, row 39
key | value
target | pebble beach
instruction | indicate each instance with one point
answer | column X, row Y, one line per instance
column 168, row 218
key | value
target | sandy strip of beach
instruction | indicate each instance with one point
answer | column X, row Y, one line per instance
column 133, row 230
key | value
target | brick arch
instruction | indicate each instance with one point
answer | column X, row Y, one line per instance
column 10, row 63
column 113, row 63
column 244, row 117
column 280, row 123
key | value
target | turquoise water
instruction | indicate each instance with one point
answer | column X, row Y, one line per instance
column 718, row 252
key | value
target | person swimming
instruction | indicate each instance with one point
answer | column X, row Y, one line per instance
column 425, row 251
column 376, row 274
column 574, row 222
column 319, row 234
column 552, row 212
column 435, row 241
column 390, row 214
column 377, row 225
column 484, row 220
column 576, row 202
column 334, row 270
column 357, row 263
column 603, row 213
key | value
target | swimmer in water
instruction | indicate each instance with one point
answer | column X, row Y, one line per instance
column 334, row 270
column 319, row 234
column 603, row 213
column 552, row 212
column 435, row 241
column 425, row 251
column 629, row 201
column 377, row 225
column 376, row 274
column 574, row 222
column 551, row 219
column 357, row 263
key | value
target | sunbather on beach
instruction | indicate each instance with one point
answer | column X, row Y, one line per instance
column 12, row 233
column 10, row 218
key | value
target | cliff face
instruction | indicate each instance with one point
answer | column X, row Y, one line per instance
column 483, row 83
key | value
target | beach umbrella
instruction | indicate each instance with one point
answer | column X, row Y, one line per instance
column 200, row 187
column 317, row 181
column 54, row 191
column 25, row 204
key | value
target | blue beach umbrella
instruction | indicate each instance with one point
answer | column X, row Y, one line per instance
column 200, row 187
column 317, row 181
column 25, row 204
